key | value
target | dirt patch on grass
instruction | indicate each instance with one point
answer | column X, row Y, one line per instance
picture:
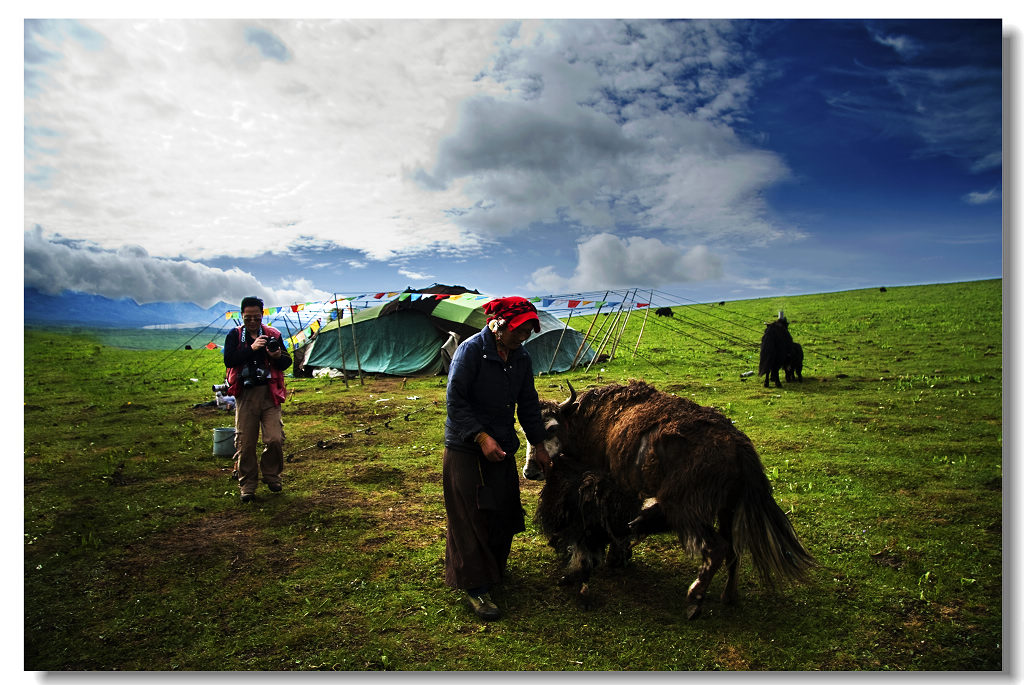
column 228, row 536
column 378, row 474
column 730, row 659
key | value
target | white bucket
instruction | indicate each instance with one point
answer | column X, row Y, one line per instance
column 223, row 442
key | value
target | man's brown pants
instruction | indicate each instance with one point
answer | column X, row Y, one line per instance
column 255, row 411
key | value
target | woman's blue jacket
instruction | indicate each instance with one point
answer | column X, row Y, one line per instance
column 483, row 393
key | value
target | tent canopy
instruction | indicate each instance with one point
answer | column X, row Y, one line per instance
column 405, row 336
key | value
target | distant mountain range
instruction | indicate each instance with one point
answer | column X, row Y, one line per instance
column 72, row 308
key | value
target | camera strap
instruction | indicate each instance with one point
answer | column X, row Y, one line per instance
column 241, row 334
column 241, row 342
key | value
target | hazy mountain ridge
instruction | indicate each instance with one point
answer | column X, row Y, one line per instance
column 72, row 308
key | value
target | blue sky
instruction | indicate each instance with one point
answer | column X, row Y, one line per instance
column 204, row 160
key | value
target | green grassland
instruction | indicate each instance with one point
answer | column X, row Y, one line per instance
column 887, row 458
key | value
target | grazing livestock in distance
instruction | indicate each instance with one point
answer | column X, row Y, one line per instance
column 775, row 347
column 794, row 364
column 664, row 311
column 582, row 511
column 704, row 473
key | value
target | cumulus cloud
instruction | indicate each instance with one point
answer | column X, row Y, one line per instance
column 202, row 139
column 607, row 261
column 610, row 124
column 53, row 266
column 197, row 140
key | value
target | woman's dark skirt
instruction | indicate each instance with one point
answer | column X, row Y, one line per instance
column 478, row 540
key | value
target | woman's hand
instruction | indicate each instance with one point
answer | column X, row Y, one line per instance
column 492, row 450
column 540, row 453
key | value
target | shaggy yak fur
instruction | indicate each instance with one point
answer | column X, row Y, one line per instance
column 775, row 348
column 582, row 512
column 794, row 365
column 663, row 311
column 705, row 475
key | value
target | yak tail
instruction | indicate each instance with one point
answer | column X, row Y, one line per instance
column 762, row 528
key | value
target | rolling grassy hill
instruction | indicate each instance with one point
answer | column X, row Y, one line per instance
column 887, row 459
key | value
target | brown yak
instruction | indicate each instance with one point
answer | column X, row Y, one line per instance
column 704, row 473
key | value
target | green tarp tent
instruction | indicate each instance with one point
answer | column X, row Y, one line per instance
column 405, row 336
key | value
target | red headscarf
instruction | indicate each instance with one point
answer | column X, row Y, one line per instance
column 514, row 311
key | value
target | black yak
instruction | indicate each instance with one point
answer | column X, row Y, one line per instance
column 704, row 473
column 794, row 364
column 775, row 348
column 583, row 512
column 664, row 311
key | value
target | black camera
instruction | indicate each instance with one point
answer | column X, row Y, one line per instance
column 223, row 388
column 254, row 375
column 273, row 344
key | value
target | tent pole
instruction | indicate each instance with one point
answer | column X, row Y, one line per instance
column 604, row 339
column 341, row 347
column 646, row 314
column 622, row 329
column 585, row 337
column 355, row 349
column 607, row 335
column 288, row 326
column 559, row 344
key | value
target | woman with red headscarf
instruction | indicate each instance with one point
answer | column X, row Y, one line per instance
column 490, row 376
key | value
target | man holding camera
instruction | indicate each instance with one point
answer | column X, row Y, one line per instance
column 256, row 358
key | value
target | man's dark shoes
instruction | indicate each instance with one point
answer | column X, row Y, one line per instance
column 274, row 487
column 484, row 607
column 247, row 497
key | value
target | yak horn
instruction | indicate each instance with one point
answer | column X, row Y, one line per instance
column 781, row 315
column 572, row 398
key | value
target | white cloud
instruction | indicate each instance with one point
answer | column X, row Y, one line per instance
column 413, row 275
column 905, row 46
column 52, row 266
column 983, row 197
column 597, row 132
column 607, row 261
column 186, row 137
column 951, row 103
column 204, row 139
